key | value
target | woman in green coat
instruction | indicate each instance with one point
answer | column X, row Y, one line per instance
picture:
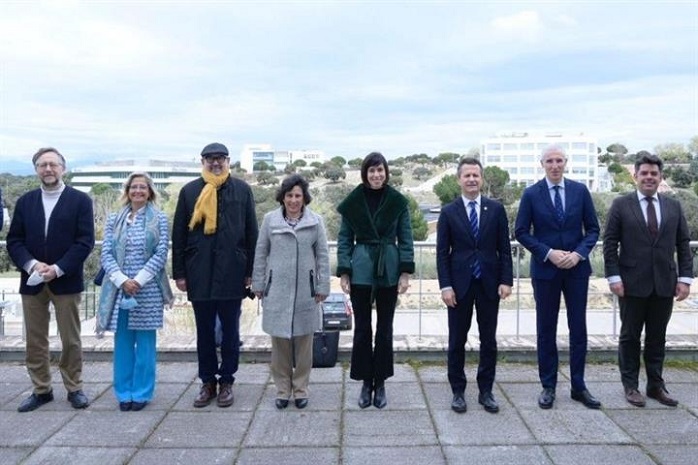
column 375, row 256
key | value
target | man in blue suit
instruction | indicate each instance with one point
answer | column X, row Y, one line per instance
column 557, row 223
column 50, row 237
column 473, row 255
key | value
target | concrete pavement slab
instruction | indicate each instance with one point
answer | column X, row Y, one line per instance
column 184, row 456
column 333, row 374
column 556, row 426
column 289, row 456
column 499, row 455
column 247, row 396
column 401, row 396
column 321, row 397
column 291, row 427
column 13, row 455
column 9, row 392
column 184, row 372
column 107, row 429
column 606, row 454
column 477, row 427
column 669, row 426
column 31, row 429
column 373, row 427
column 674, row 454
column 425, row 455
column 79, row 456
column 201, row 429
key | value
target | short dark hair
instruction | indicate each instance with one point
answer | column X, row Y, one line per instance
column 646, row 158
column 289, row 183
column 374, row 159
column 44, row 150
column 469, row 161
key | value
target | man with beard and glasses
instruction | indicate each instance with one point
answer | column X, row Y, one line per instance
column 50, row 237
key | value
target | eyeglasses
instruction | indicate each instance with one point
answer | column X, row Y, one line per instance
column 138, row 187
column 215, row 159
column 44, row 165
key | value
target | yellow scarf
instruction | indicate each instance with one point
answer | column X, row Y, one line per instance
column 206, row 208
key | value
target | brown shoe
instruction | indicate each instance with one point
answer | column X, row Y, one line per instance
column 634, row 397
column 206, row 395
column 225, row 395
column 661, row 395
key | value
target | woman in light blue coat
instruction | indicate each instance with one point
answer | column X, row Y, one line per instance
column 135, row 289
column 291, row 276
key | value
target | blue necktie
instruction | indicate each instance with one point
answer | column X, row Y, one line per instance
column 476, row 233
column 559, row 211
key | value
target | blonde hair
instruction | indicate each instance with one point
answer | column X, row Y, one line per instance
column 152, row 193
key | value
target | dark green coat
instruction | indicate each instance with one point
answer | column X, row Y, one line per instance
column 374, row 250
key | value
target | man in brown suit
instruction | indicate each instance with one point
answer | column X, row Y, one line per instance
column 649, row 229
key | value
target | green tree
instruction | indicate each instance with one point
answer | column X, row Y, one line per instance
column 673, row 153
column 495, row 180
column 300, row 163
column 339, row 161
column 420, row 228
column 266, row 178
column 334, row 173
column 316, row 164
column 262, row 166
column 681, row 177
column 447, row 189
column 447, row 159
column 395, row 181
column 617, row 149
column 615, row 168
column 289, row 169
column 693, row 146
column 355, row 163
column 421, row 172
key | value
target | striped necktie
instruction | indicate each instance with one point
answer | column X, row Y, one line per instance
column 559, row 211
column 476, row 233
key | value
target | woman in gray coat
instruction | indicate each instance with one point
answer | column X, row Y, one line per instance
column 291, row 276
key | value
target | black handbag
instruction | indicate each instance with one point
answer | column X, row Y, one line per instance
column 99, row 277
column 325, row 346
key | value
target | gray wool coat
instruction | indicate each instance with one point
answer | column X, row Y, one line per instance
column 291, row 266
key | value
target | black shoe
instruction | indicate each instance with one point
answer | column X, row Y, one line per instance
column 486, row 399
column 546, row 398
column 458, row 404
column 35, row 401
column 365, row 396
column 136, row 406
column 586, row 398
column 125, row 406
column 301, row 403
column 379, row 398
column 281, row 403
column 78, row 399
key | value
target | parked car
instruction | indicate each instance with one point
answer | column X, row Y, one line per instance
column 337, row 312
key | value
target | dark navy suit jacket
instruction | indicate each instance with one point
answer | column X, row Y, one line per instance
column 69, row 241
column 457, row 249
column 538, row 229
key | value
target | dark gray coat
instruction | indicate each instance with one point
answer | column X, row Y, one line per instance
column 291, row 266
column 216, row 265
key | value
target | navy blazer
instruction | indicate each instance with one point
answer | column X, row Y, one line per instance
column 538, row 229
column 643, row 263
column 457, row 249
column 70, row 238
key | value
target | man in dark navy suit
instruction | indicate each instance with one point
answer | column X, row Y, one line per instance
column 473, row 253
column 50, row 237
column 648, row 262
column 557, row 223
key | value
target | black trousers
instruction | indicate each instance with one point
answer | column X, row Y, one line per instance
column 459, row 321
column 652, row 313
column 205, row 312
column 369, row 361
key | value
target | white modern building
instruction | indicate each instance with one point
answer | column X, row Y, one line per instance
column 114, row 173
column 255, row 153
column 519, row 155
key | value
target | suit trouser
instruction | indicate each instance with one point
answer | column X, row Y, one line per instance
column 36, row 321
column 653, row 313
column 134, row 362
column 547, row 296
column 459, row 321
column 369, row 361
column 283, row 354
column 228, row 312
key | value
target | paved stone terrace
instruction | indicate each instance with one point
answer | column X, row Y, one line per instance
column 417, row 426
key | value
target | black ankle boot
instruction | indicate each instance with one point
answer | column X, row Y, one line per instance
column 379, row 398
column 365, row 396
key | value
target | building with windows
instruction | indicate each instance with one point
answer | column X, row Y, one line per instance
column 114, row 173
column 519, row 155
column 252, row 154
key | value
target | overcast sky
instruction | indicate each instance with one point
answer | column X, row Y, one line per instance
column 162, row 79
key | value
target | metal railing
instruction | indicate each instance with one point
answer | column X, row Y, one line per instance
column 420, row 311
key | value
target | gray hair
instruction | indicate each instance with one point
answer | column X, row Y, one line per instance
column 152, row 193
column 553, row 148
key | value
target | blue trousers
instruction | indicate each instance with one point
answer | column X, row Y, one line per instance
column 134, row 362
